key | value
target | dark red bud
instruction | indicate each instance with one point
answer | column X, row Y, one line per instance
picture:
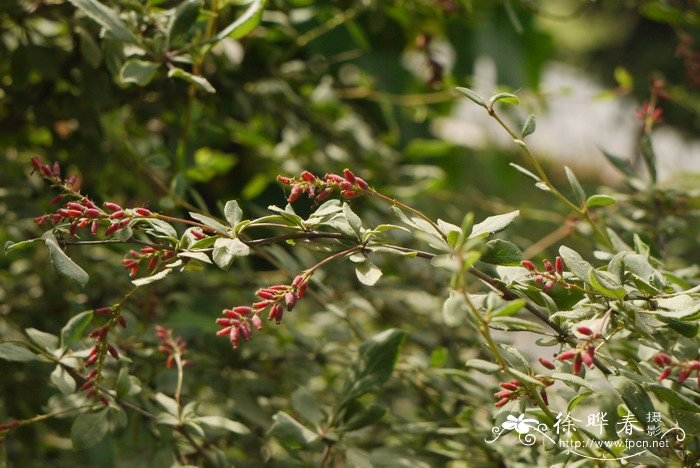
column 104, row 400
column 261, row 305
column 224, row 331
column 323, row 194
column 56, row 199
column 683, row 375
column 87, row 384
column 265, row 295
column 152, row 263
column 284, row 180
column 345, row 185
column 361, row 182
column 223, row 322
column 559, row 264
column 528, row 264
column 142, row 212
column 664, row 375
column 46, row 170
column 122, row 321
column 307, row 176
column 543, row 394
column 92, row 213
column 112, row 206
column 56, row 169
column 661, row 359
column 76, row 206
column 548, row 265
column 584, row 330
column 73, row 229
column 577, row 364
column 546, row 363
column 36, row 162
column 243, row 310
column 74, row 213
column 566, row 355
column 117, row 214
column 290, row 300
column 508, row 386
column 103, row 311
column 349, row 176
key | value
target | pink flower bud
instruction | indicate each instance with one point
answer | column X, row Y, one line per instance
column 198, row 234
column 576, row 368
column 76, row 206
column 231, row 314
column 47, row 170
column 224, row 331
column 349, row 176
column 261, row 305
column 361, row 182
column 93, row 228
column 345, row 185
column 548, row 286
column 546, row 363
column 243, row 310
column 501, row 402
column 36, row 162
column 661, row 359
column 683, row 375
column 112, row 206
column 278, row 287
column 40, row 219
column 502, row 394
column 223, row 322
column 265, row 295
column 307, row 176
column 587, row 359
column 72, row 181
column 334, row 178
column 257, row 323
column 103, row 311
column 92, row 213
column 117, row 214
column 664, row 375
column 584, row 330
column 74, row 213
column 87, row 384
column 548, row 266
column 284, row 180
column 142, row 212
column 56, row 169
column 290, row 300
column 323, row 194
column 56, row 199
column 276, row 313
column 297, row 281
column 559, row 264
column 86, row 201
column 566, row 355
column 294, row 195
column 509, row 386
column 528, row 264
column 245, row 331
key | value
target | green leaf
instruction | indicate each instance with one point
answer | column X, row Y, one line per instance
column 219, row 422
column 575, row 263
column 600, row 200
column 72, row 331
column 529, row 126
column 183, row 18
column 524, row 171
column 624, row 78
column 509, row 308
column 248, row 21
column 233, row 213
column 290, row 432
column 19, row 246
column 46, row 340
column 622, row 164
column 62, row 380
column 487, row 367
column 168, row 404
column 139, row 72
column 63, row 264
column 13, row 352
column 506, row 98
column 198, row 81
column 123, row 383
column 674, row 398
column 454, row 310
column 573, row 380
column 353, row 220
column 226, row 249
column 366, row 416
column 307, row 406
column 107, row 18
column 634, row 396
column 493, row 224
column 500, row 252
column 575, row 185
column 368, row 273
column 89, row 429
column 209, row 222
column 373, row 364
column 473, row 96
column 575, row 401
column 523, row 377
column 606, row 283
column 151, row 279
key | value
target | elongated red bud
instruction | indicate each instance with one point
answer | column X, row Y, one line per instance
column 297, row 281
column 307, row 176
column 345, row 185
column 265, row 295
column 224, row 322
column 548, row 266
column 576, row 368
column 694, row 365
column 104, row 400
column 349, row 176
column 261, row 305
column 36, row 162
column 117, row 214
column 112, row 206
column 92, row 213
column 46, row 170
column 103, row 311
column 349, row 194
column 302, row 290
column 152, row 263
column 243, row 310
column 325, row 193
column 122, row 321
column 502, row 394
column 662, row 359
column 245, row 331
column 528, row 264
column 73, row 229
column 508, row 386
column 584, row 330
column 587, row 359
column 92, row 374
column 334, row 178
column 548, row 286
column 559, row 264
column 294, row 194
column 284, row 180
column 543, row 394
column 664, row 375
column 56, row 199
column 683, row 375
column 546, row 363
column 91, row 361
column 40, row 219
column 72, row 180
column 143, row 212
column 290, row 300
column 93, row 228
column 222, row 332
column 56, row 169
column 361, row 182
column 74, row 213
column 87, row 384
column 566, row 355
column 257, row 323
column 76, row 206
column 501, row 402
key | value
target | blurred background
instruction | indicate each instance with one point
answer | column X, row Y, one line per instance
column 318, row 85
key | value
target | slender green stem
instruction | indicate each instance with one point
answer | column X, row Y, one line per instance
column 403, row 206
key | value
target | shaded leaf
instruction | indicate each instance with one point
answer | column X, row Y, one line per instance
column 89, row 429
column 107, row 18
column 62, row 262
column 473, row 96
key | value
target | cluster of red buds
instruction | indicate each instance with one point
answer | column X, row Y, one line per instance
column 150, row 256
column 649, row 113
column 685, row 368
column 553, row 274
column 81, row 211
column 318, row 189
column 237, row 321
column 582, row 354
column 170, row 345
column 514, row 389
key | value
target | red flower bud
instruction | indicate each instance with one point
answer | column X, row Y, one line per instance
column 302, row 290
column 91, row 374
column 74, row 213
column 559, row 264
column 307, row 176
column 93, row 228
column 543, row 394
column 103, row 311
column 198, row 234
column 91, row 361
column 577, row 364
column 92, row 213
column 276, row 313
column 297, row 281
column 36, row 162
column 72, row 181
column 664, row 375
column 502, row 394
column 361, row 182
column 508, row 386
column 243, row 310
column 73, row 229
column 548, row 286
column 566, row 355
column 262, row 294
column 87, row 384
column 694, row 365
column 76, row 206
column 548, row 266
column 56, row 169
column 117, row 214
column 122, row 321
column 284, row 180
column 112, row 206
column 224, row 331
column 539, row 279
column 40, row 219
column 345, row 185
column 528, row 264
column 245, row 331
column 661, row 359
column 104, row 400
column 231, row 314
column 46, row 170
column 223, row 322
column 587, row 359
column 257, row 323
column 349, row 194
column 334, row 178
column 261, row 305
column 323, row 194
column 290, row 300
column 294, row 195
column 349, row 176
column 683, row 375
column 56, row 199
column 546, row 363
column 142, row 212
column 584, row 330
column 113, row 351
column 152, row 263
column 501, row 402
